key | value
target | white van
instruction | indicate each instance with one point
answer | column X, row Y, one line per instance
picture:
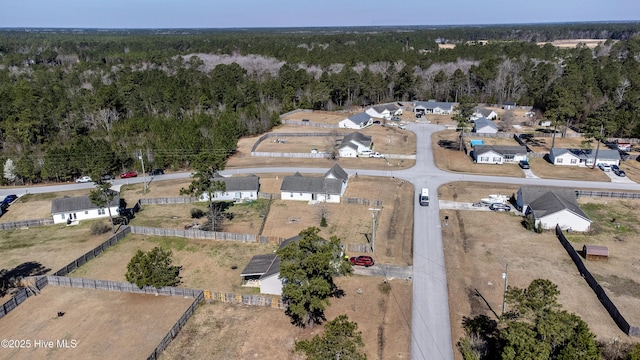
column 423, row 199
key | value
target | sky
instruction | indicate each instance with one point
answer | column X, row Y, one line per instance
column 115, row 14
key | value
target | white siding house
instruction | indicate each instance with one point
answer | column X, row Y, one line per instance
column 494, row 154
column 263, row 271
column 483, row 113
column 237, row 189
column 583, row 157
column 357, row 121
column 353, row 144
column 484, row 126
column 433, row 107
column 384, row 111
column 328, row 188
column 71, row 209
column 552, row 206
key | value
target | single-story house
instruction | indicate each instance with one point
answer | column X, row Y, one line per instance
column 433, row 107
column 68, row 209
column 552, row 206
column 499, row 154
column 353, row 144
column 243, row 188
column 484, row 126
column 384, row 111
column 329, row 188
column 583, row 157
column 508, row 105
column 263, row 271
column 482, row 112
column 357, row 121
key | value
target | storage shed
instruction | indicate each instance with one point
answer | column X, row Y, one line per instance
column 595, row 252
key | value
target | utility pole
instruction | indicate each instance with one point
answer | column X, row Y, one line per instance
column 144, row 175
column 505, row 276
column 374, row 216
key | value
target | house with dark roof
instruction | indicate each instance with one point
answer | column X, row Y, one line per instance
column 328, row 188
column 433, row 107
column 552, row 206
column 71, row 209
column 354, row 144
column 263, row 271
column 384, row 111
column 482, row 112
column 498, row 154
column 509, row 105
column 357, row 121
column 242, row 188
column 583, row 157
column 484, row 126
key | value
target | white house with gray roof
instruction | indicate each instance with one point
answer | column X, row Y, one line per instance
column 70, row 209
column 354, row 144
column 263, row 271
column 484, row 126
column 384, row 111
column 357, row 121
column 328, row 188
column 583, row 157
column 482, row 112
column 433, row 107
column 244, row 188
column 553, row 206
column 498, row 154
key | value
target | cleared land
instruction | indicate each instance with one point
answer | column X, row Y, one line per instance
column 124, row 326
column 572, row 43
column 242, row 332
column 476, row 254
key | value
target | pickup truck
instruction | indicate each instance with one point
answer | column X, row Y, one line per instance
column 376, row 155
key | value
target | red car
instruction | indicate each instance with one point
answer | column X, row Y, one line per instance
column 365, row 261
column 129, row 174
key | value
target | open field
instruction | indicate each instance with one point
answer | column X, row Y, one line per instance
column 544, row 169
column 476, row 254
column 35, row 206
column 243, row 332
column 447, row 157
column 124, row 326
column 572, row 43
column 543, row 144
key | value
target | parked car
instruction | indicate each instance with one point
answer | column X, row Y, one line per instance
column 9, row 199
column 366, row 152
column 129, row 174
column 615, row 168
column 365, row 261
column 376, row 155
column 524, row 164
column 106, row 177
column 84, row 179
column 620, row 173
column 499, row 207
column 396, row 118
column 604, row 167
column 155, row 172
column 402, row 126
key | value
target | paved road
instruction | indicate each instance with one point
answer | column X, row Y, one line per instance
column 430, row 328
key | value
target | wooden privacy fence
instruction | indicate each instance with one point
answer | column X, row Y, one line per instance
column 253, row 300
column 310, row 123
column 622, row 323
column 318, row 155
column 94, row 252
column 208, row 235
column 25, row 223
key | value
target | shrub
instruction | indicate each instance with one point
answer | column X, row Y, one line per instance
column 323, row 222
column 197, row 213
column 98, row 228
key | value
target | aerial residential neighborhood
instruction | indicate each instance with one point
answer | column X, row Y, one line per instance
column 401, row 192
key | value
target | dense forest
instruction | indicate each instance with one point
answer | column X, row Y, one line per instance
column 78, row 102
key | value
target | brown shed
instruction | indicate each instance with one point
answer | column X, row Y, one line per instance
column 595, row 252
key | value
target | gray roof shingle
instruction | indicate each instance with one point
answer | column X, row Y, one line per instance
column 244, row 183
column 500, row 149
column 259, row 264
column 337, row 172
column 360, row 118
column 551, row 202
column 78, row 203
column 434, row 104
column 483, row 122
column 357, row 136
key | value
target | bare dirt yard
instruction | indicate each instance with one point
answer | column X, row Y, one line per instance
column 572, row 43
column 476, row 255
column 124, row 326
column 224, row 331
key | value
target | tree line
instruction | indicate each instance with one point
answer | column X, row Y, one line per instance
column 92, row 103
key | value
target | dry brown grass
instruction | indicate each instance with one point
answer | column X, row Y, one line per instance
column 476, row 254
column 91, row 317
column 544, row 169
column 458, row 161
column 572, row 43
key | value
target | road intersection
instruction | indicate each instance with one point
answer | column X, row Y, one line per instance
column 430, row 328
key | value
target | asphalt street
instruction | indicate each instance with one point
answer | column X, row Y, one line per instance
column 430, row 328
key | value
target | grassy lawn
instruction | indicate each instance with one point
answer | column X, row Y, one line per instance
column 544, row 169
